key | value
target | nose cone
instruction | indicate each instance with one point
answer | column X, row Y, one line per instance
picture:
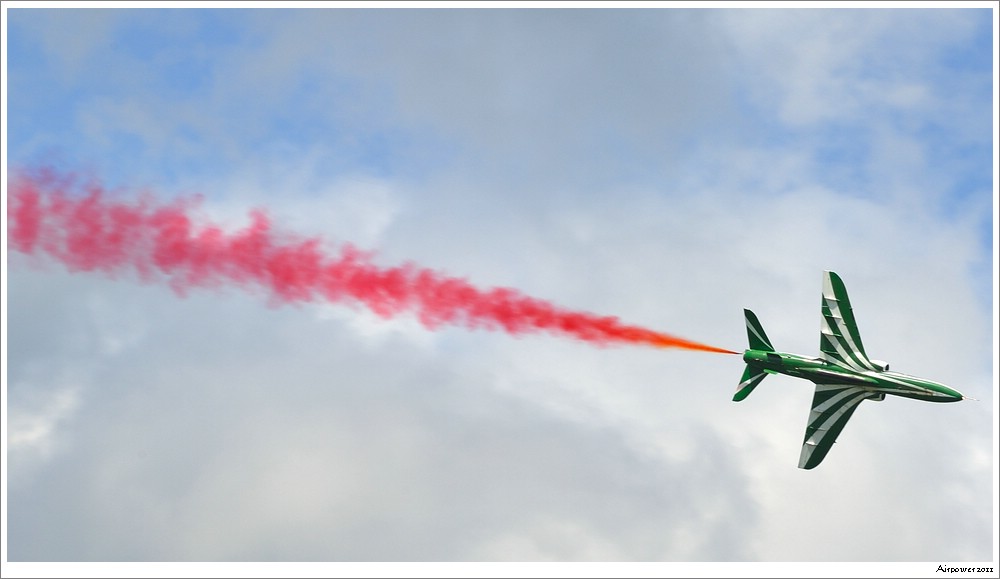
column 954, row 395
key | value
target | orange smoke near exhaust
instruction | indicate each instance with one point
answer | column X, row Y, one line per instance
column 80, row 227
column 665, row 341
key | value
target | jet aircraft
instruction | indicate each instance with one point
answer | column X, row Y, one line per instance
column 843, row 373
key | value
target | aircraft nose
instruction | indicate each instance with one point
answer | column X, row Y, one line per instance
column 954, row 394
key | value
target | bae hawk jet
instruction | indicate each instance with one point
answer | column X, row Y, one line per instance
column 843, row 373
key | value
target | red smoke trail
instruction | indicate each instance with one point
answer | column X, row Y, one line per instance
column 86, row 231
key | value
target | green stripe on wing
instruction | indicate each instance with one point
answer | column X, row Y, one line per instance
column 832, row 407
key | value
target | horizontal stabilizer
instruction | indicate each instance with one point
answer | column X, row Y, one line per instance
column 752, row 376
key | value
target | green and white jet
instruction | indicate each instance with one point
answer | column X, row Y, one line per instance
column 843, row 374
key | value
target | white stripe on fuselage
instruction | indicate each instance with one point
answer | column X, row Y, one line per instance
column 893, row 377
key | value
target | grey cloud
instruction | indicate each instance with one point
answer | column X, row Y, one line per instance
column 267, row 433
column 231, row 436
column 522, row 86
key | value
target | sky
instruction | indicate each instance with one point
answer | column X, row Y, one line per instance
column 665, row 166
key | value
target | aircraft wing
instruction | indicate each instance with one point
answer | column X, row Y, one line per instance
column 832, row 407
column 839, row 341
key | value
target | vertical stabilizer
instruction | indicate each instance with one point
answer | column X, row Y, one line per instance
column 755, row 332
column 753, row 375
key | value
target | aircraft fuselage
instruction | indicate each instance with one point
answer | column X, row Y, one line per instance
column 820, row 371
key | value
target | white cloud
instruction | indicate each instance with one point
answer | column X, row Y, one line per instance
column 819, row 66
column 32, row 434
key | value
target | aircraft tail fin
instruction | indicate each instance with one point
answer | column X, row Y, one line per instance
column 753, row 375
column 758, row 339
